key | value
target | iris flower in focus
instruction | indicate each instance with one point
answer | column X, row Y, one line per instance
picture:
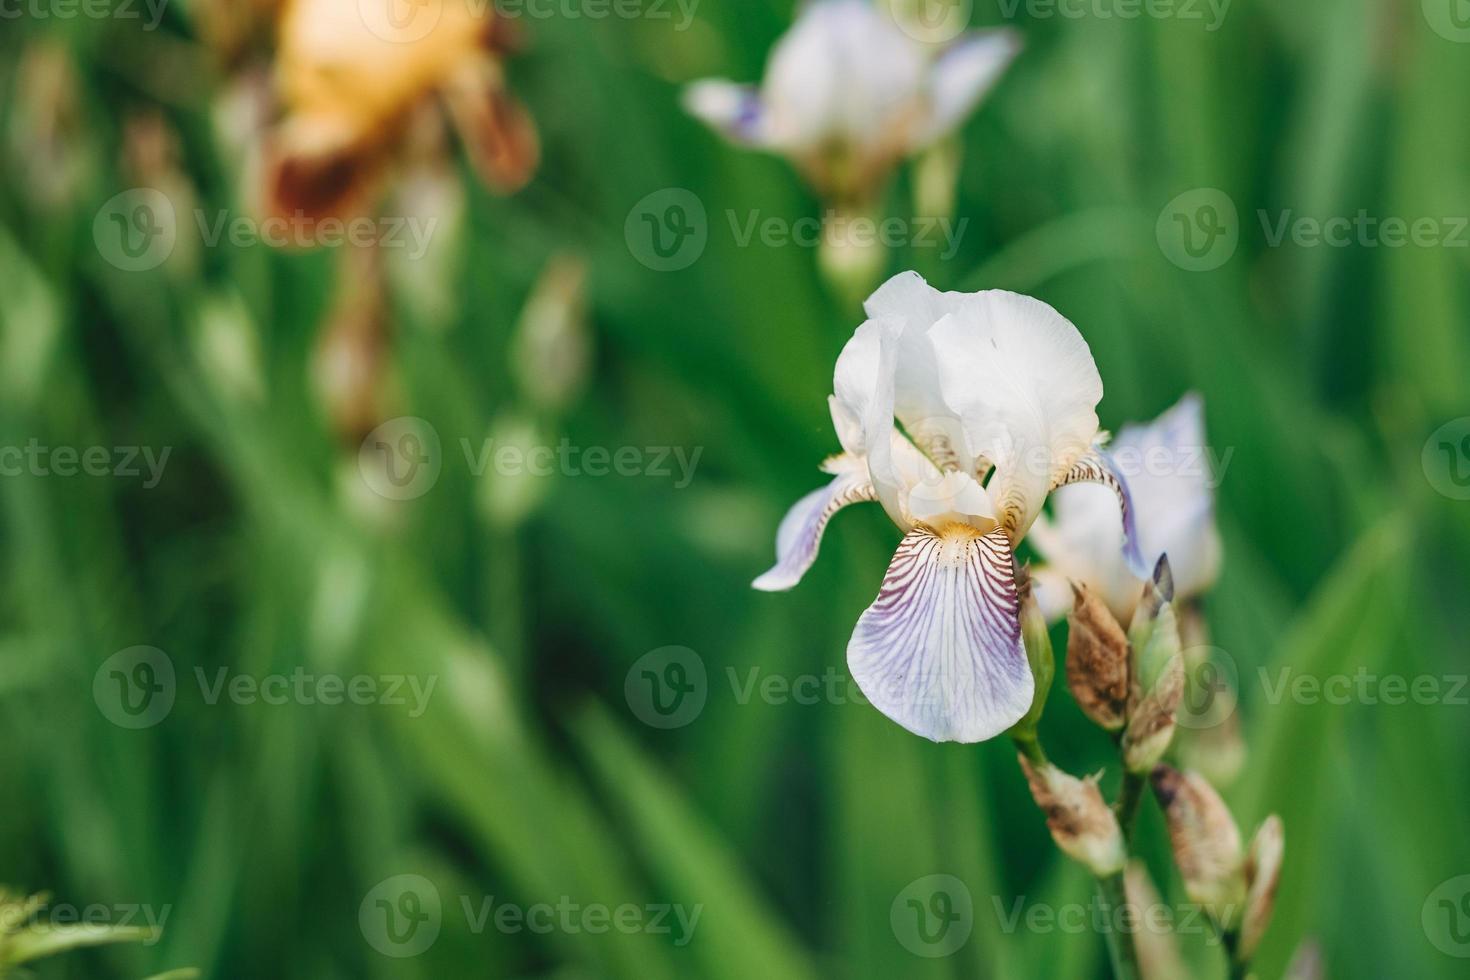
column 959, row 413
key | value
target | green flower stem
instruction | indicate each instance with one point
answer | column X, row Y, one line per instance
column 1239, row 969
column 1129, row 798
column 1121, row 951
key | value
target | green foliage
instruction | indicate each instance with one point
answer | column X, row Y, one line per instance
column 530, row 777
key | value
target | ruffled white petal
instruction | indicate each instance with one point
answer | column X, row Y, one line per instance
column 800, row 533
column 840, row 74
column 1024, row 384
column 964, row 74
column 939, row 651
column 908, row 307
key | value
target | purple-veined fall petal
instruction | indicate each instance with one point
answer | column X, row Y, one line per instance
column 939, row 651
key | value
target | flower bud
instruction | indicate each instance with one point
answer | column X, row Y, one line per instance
column 1038, row 655
column 1080, row 821
column 1154, row 631
column 1097, row 660
column 1262, row 874
column 350, row 364
column 1151, row 724
column 1206, row 842
column 550, row 352
column 1157, row 678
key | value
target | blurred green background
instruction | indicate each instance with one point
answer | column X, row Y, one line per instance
column 263, row 829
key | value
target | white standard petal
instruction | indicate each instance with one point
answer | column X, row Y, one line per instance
column 964, row 74
column 908, row 307
column 730, row 109
column 1023, row 381
column 841, row 73
column 939, row 651
column 800, row 533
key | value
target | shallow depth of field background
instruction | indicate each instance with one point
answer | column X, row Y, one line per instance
column 794, row 826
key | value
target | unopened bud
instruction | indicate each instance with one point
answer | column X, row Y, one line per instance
column 1154, row 632
column 1206, row 842
column 350, row 362
column 1097, row 660
column 1262, row 874
column 1038, row 655
column 1151, row 724
column 1080, row 821
column 1156, row 682
column 550, row 351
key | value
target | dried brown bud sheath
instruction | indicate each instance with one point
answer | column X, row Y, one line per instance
column 1080, row 821
column 1097, row 660
column 1206, row 842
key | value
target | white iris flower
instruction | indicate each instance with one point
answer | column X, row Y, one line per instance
column 959, row 413
column 848, row 94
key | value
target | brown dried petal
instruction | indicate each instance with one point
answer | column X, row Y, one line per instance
column 1097, row 660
